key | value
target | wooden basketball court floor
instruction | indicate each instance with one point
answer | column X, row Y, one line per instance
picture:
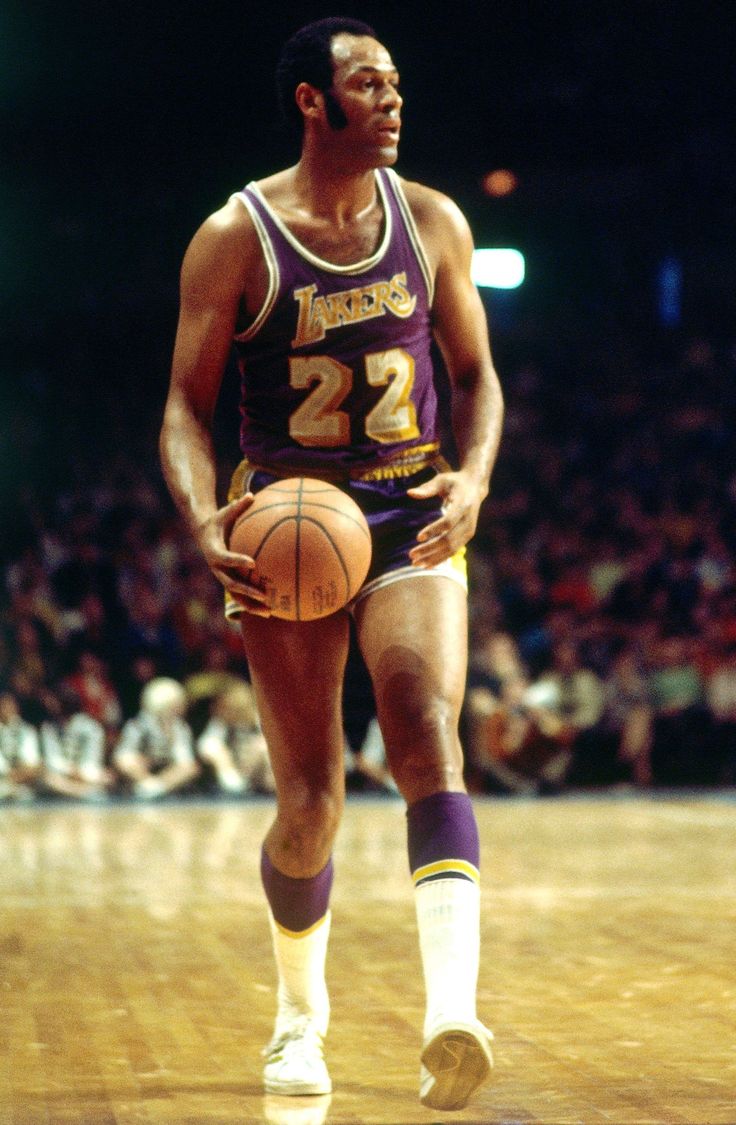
column 136, row 985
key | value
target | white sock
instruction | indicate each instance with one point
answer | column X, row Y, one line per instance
column 300, row 964
column 448, row 918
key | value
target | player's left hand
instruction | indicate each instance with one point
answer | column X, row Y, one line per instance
column 461, row 500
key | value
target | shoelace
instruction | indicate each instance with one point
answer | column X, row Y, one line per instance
column 301, row 1029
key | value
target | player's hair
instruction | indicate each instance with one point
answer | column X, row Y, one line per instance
column 162, row 696
column 307, row 57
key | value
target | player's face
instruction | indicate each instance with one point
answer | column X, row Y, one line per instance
column 366, row 98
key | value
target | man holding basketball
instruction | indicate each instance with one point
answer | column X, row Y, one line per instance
column 331, row 278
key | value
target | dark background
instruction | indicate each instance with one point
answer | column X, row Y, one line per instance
column 124, row 125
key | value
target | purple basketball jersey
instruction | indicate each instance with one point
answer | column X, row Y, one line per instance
column 336, row 370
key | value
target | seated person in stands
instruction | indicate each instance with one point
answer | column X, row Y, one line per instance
column 517, row 739
column 368, row 768
column 73, row 749
column 20, row 755
column 155, row 751
column 232, row 744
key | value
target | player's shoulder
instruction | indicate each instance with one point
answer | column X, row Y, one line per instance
column 230, row 227
column 224, row 251
column 431, row 207
column 442, row 227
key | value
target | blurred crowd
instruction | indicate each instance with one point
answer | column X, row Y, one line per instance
column 603, row 604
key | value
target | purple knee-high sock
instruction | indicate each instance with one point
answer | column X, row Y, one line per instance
column 442, row 829
column 296, row 904
column 444, row 859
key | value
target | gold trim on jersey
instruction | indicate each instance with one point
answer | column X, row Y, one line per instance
column 413, row 232
column 461, row 866
column 322, row 263
column 404, row 464
column 272, row 266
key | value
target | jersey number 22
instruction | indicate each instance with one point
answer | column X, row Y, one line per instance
column 319, row 420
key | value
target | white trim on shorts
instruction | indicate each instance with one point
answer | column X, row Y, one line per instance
column 447, row 569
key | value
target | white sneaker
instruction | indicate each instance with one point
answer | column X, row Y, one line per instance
column 456, row 1061
column 281, row 1110
column 294, row 1061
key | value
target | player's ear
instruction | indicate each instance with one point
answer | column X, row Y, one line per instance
column 310, row 100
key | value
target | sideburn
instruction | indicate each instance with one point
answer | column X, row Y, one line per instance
column 335, row 113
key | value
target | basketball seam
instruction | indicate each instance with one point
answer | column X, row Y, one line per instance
column 274, row 527
column 333, row 544
column 324, row 507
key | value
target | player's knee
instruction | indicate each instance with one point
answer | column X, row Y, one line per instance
column 309, row 813
column 422, row 723
column 422, row 773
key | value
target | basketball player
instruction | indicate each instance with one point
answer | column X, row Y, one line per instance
column 332, row 277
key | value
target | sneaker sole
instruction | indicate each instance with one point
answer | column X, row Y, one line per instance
column 295, row 1089
column 459, row 1061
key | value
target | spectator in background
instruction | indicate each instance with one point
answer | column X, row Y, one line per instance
column 150, row 631
column 131, row 680
column 155, row 753
column 73, row 747
column 98, row 697
column 516, row 736
column 720, row 694
column 367, row 768
column 681, row 743
column 203, row 687
column 20, row 755
column 35, row 699
column 625, row 731
column 576, row 694
column 233, row 746
column 33, row 655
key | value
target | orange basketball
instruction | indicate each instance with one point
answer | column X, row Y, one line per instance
column 311, row 546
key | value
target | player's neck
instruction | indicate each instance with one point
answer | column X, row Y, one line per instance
column 331, row 192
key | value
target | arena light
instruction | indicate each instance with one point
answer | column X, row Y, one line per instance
column 500, row 182
column 498, row 268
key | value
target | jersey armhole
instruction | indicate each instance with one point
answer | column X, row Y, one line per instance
column 271, row 265
column 413, row 232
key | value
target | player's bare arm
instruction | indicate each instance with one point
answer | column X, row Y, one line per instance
column 461, row 330
column 220, row 280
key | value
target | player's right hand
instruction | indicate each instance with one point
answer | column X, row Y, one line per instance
column 230, row 568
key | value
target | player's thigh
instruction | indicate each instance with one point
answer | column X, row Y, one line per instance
column 413, row 636
column 297, row 670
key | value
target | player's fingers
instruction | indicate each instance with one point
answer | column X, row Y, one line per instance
column 439, row 540
column 255, row 608
column 430, row 554
column 234, row 584
column 453, row 516
column 433, row 487
column 238, row 563
column 440, row 527
column 232, row 511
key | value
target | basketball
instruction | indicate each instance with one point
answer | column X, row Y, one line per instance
column 311, row 546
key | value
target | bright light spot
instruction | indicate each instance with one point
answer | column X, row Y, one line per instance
column 500, row 182
column 497, row 269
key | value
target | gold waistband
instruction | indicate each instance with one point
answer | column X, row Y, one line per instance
column 404, row 465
